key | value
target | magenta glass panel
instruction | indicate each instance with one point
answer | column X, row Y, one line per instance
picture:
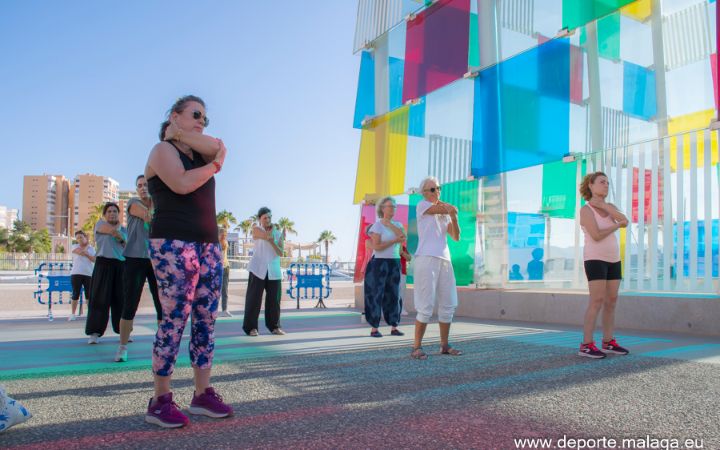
column 436, row 50
column 713, row 67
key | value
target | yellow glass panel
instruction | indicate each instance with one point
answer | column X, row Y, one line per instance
column 640, row 10
column 381, row 162
column 688, row 122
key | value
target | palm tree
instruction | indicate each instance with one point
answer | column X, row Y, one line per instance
column 89, row 225
column 245, row 226
column 286, row 226
column 328, row 238
column 225, row 218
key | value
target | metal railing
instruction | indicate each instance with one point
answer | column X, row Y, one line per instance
column 11, row 261
column 669, row 188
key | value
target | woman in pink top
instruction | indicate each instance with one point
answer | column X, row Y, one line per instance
column 599, row 221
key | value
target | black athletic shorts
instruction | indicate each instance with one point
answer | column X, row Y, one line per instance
column 603, row 270
column 80, row 281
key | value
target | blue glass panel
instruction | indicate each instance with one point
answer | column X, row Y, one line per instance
column 522, row 110
column 396, row 67
column 526, row 241
column 639, row 91
column 365, row 99
column 701, row 263
column 417, row 119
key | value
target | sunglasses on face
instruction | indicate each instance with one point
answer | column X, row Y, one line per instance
column 433, row 190
column 198, row 115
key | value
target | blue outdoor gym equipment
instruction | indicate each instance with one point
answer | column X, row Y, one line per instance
column 309, row 276
column 57, row 276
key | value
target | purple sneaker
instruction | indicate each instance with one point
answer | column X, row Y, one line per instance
column 165, row 413
column 210, row 404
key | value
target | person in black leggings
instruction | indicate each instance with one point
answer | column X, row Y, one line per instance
column 137, row 264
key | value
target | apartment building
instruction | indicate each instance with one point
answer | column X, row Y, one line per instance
column 8, row 216
column 89, row 192
column 46, row 202
column 124, row 198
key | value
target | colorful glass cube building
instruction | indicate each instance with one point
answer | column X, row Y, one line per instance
column 510, row 102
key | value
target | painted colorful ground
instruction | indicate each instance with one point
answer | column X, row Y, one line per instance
column 327, row 384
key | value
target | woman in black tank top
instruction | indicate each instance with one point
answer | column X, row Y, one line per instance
column 186, row 256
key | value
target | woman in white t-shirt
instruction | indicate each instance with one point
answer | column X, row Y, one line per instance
column 83, row 260
column 433, row 272
column 382, row 275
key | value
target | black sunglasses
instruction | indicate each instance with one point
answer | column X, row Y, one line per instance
column 432, row 189
column 198, row 115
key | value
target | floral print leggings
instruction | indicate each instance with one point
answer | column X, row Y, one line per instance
column 189, row 277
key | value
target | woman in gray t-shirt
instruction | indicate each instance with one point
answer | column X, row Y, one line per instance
column 107, row 278
column 138, row 268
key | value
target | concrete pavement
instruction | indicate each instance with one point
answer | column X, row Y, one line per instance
column 327, row 384
column 17, row 301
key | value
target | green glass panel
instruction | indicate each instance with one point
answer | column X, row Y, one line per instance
column 608, row 36
column 464, row 195
column 474, row 52
column 412, row 236
column 559, row 189
column 577, row 13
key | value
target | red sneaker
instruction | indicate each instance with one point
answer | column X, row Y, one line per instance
column 589, row 350
column 613, row 347
column 165, row 412
column 210, row 404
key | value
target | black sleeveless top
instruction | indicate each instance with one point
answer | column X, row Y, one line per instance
column 189, row 217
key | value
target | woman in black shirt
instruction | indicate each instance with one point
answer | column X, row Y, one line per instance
column 186, row 256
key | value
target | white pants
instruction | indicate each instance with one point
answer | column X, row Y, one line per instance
column 434, row 284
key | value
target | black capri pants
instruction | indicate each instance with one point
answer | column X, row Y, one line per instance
column 253, row 302
column 106, row 296
column 137, row 270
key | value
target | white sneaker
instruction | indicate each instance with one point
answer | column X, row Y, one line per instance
column 121, row 354
column 12, row 412
column 94, row 338
column 225, row 314
column 72, row 317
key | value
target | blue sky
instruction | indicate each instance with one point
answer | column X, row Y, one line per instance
column 85, row 85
